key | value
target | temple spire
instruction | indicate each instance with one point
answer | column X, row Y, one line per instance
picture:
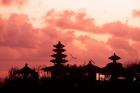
column 114, row 58
column 59, row 57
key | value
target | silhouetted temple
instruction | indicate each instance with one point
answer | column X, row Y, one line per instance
column 114, row 69
column 136, row 69
column 113, row 78
column 58, row 69
column 133, row 72
column 90, row 71
column 59, row 57
column 26, row 72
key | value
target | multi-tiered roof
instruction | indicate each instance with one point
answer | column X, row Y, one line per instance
column 59, row 56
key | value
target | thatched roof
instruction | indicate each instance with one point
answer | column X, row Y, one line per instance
column 91, row 67
column 25, row 70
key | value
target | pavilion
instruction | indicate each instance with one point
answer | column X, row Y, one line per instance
column 26, row 72
column 114, row 69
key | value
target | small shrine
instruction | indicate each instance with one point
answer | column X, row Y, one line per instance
column 90, row 70
column 114, row 58
column 114, row 69
column 26, row 72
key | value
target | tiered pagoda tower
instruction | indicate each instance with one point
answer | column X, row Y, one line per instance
column 59, row 56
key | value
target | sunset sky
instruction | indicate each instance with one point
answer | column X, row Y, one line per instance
column 90, row 29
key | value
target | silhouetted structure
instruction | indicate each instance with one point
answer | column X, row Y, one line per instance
column 133, row 72
column 58, row 70
column 59, row 57
column 114, row 69
column 90, row 71
column 26, row 72
column 73, row 78
column 136, row 70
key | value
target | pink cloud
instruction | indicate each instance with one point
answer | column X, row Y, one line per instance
column 68, row 19
column 121, row 30
column 12, row 2
column 136, row 13
column 134, row 34
column 119, row 43
column 17, row 32
column 116, row 29
column 20, row 42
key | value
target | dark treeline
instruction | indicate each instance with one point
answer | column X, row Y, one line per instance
column 64, row 78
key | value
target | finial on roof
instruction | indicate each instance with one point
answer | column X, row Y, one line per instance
column 59, row 42
column 90, row 62
column 114, row 57
column 26, row 64
column 59, row 45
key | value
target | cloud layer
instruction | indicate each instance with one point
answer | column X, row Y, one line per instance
column 136, row 13
column 12, row 2
column 21, row 43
